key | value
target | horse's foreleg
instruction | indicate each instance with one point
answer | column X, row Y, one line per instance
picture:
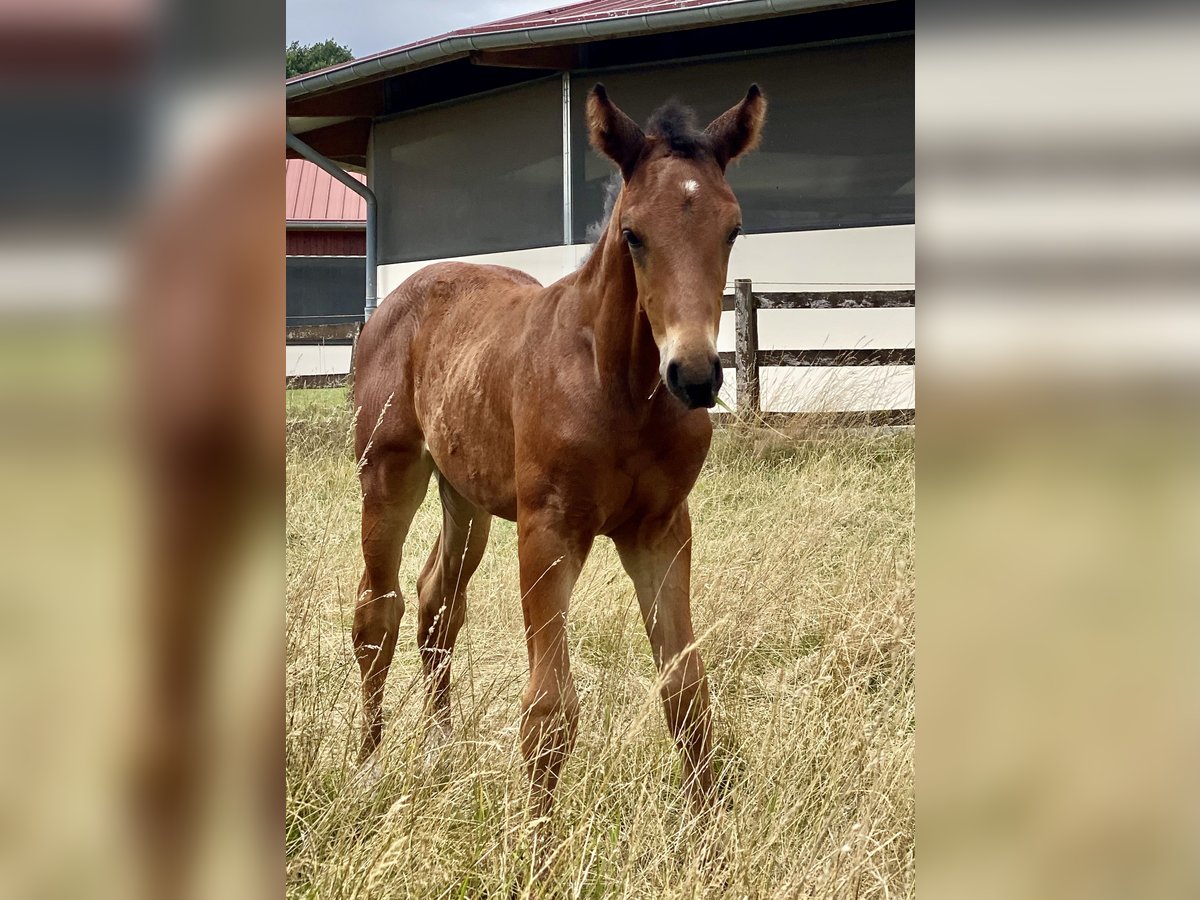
column 658, row 557
column 551, row 558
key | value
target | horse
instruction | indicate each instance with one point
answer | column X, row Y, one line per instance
column 545, row 406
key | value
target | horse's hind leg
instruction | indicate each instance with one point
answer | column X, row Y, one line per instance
column 441, row 593
column 394, row 482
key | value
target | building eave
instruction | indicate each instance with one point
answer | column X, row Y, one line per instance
column 457, row 46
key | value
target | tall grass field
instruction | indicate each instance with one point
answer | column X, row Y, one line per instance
column 803, row 593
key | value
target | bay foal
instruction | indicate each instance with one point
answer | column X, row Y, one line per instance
column 545, row 405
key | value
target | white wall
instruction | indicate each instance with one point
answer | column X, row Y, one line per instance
column 317, row 359
column 845, row 259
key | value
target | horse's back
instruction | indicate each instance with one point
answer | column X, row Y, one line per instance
column 442, row 311
column 435, row 285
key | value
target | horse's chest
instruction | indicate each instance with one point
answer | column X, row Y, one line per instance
column 661, row 474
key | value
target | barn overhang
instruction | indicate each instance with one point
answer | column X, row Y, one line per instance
column 301, row 149
column 333, row 108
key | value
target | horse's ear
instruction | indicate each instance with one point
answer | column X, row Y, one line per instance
column 739, row 129
column 612, row 132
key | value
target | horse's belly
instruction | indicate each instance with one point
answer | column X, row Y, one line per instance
column 473, row 449
column 476, row 474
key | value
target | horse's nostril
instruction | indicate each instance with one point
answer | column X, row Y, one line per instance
column 673, row 375
column 695, row 387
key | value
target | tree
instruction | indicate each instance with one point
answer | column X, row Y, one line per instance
column 303, row 58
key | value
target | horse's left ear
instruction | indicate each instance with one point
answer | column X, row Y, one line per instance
column 612, row 132
column 738, row 130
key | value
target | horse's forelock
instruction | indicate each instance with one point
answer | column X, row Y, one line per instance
column 675, row 125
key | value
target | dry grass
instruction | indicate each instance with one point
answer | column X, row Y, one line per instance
column 803, row 597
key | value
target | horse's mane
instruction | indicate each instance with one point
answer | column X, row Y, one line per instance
column 612, row 189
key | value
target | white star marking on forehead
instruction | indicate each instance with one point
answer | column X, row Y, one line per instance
column 691, row 186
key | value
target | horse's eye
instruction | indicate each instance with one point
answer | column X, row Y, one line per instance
column 631, row 239
column 733, row 235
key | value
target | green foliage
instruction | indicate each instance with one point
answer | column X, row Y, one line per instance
column 303, row 58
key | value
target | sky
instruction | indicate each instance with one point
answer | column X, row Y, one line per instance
column 369, row 26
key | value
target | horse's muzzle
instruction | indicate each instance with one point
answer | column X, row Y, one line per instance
column 696, row 385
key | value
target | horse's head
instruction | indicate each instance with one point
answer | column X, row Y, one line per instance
column 678, row 219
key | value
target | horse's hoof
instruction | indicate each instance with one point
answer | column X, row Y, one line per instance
column 370, row 773
column 437, row 739
column 716, row 848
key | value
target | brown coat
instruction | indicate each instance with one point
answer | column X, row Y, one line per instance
column 577, row 410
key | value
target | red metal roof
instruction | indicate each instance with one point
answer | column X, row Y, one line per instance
column 313, row 195
column 587, row 11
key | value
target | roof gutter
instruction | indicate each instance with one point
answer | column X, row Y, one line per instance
column 325, row 224
column 324, row 162
column 398, row 61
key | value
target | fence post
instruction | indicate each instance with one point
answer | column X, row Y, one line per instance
column 353, row 360
column 746, row 348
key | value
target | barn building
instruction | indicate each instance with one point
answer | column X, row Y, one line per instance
column 474, row 144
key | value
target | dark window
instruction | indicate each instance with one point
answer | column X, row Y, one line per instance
column 838, row 146
column 479, row 176
column 325, row 290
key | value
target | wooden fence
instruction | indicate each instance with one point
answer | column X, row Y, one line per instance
column 747, row 359
column 339, row 333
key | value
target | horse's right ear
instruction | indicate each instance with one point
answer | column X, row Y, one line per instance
column 738, row 130
column 612, row 132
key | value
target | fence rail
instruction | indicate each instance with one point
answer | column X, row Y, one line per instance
column 823, row 299
column 329, row 333
column 860, row 357
column 747, row 359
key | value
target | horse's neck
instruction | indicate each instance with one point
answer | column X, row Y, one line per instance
column 625, row 348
